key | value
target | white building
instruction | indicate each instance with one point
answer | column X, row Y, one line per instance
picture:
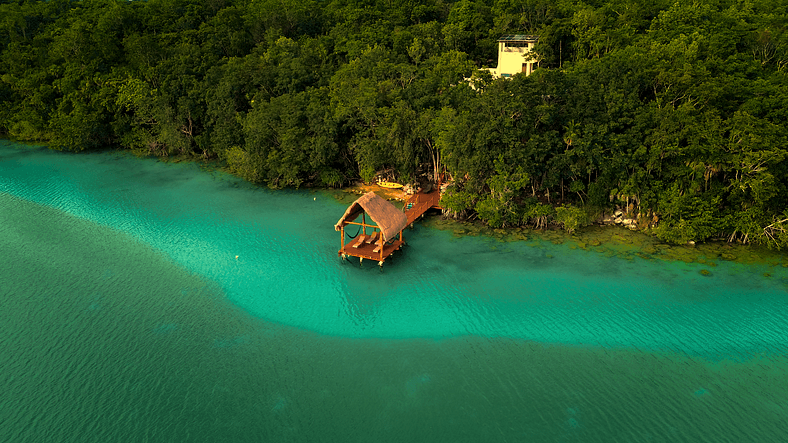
column 515, row 55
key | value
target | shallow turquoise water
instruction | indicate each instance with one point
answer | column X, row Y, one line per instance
column 126, row 313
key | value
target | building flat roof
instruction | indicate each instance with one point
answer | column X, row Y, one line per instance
column 518, row 38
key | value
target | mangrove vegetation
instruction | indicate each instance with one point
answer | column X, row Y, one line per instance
column 672, row 111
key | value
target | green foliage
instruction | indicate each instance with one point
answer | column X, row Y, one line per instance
column 775, row 234
column 570, row 218
column 677, row 107
column 688, row 217
column 498, row 208
column 242, row 163
column 331, row 177
column 537, row 214
column 458, row 201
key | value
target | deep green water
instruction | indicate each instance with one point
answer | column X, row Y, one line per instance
column 125, row 316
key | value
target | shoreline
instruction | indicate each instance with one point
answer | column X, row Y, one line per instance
column 608, row 239
column 604, row 238
column 612, row 240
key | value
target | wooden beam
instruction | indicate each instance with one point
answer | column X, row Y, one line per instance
column 362, row 224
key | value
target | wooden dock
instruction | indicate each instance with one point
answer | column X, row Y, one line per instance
column 417, row 204
column 379, row 237
column 358, row 247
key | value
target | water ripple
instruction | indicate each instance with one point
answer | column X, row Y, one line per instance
column 274, row 255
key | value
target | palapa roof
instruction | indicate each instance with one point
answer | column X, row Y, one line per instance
column 389, row 219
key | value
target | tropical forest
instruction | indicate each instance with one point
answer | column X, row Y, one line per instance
column 674, row 112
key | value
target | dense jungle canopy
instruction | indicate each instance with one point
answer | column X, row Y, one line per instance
column 674, row 110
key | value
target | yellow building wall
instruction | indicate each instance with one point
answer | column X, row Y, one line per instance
column 514, row 59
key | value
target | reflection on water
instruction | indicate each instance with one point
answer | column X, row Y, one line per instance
column 125, row 314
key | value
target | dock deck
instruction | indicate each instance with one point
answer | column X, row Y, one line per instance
column 369, row 251
column 417, row 204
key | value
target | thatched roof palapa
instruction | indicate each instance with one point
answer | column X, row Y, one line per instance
column 389, row 219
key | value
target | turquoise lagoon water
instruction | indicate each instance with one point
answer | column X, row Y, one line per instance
column 126, row 316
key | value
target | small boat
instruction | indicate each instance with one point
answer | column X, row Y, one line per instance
column 390, row 185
